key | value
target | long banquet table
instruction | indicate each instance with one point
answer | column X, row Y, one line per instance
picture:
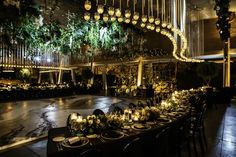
column 114, row 147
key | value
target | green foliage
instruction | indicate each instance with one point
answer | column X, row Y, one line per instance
column 52, row 37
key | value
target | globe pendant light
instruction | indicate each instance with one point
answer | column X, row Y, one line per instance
column 113, row 18
column 96, row 16
column 169, row 26
column 164, row 24
column 149, row 26
column 100, row 9
column 87, row 5
column 144, row 18
column 151, row 19
column 127, row 20
column 127, row 13
column 111, row 11
column 157, row 21
column 86, row 16
column 120, row 19
column 105, row 17
column 158, row 29
column 142, row 25
column 134, row 22
column 118, row 12
column 136, row 16
column 152, row 27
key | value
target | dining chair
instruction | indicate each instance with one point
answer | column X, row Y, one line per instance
column 91, row 153
column 98, row 112
column 162, row 143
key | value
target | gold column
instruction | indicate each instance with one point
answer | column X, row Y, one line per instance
column 226, row 64
column 140, row 71
column 92, row 69
column 104, row 78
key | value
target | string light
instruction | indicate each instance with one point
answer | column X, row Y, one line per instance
column 87, row 5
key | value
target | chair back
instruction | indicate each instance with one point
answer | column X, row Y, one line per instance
column 98, row 112
column 91, row 153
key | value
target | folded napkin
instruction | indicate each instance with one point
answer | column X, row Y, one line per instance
column 73, row 140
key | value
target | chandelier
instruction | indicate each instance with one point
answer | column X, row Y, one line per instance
column 166, row 17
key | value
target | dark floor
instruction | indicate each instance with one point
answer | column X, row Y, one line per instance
column 220, row 125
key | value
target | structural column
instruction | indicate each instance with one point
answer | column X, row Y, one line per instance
column 40, row 78
column 226, row 64
column 104, row 78
column 60, row 76
column 73, row 76
column 51, row 77
column 140, row 71
column 92, row 69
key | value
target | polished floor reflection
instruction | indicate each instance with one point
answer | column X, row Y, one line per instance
column 220, row 130
column 26, row 120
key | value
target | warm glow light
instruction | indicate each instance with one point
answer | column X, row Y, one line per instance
column 105, row 17
column 96, row 16
column 157, row 21
column 113, row 18
column 127, row 13
column 127, row 20
column 152, row 27
column 151, row 19
column 100, row 9
column 120, row 19
column 144, row 18
column 87, row 16
column 134, row 22
column 158, row 29
column 87, row 5
column 118, row 13
column 169, row 26
column 136, row 16
column 149, row 26
column 142, row 25
column 111, row 11
column 164, row 24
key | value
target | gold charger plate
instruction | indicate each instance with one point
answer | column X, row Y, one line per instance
column 83, row 141
column 141, row 127
column 58, row 139
column 112, row 135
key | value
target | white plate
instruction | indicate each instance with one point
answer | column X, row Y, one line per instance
column 58, row 139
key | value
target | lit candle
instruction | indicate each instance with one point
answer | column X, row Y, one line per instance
column 79, row 119
column 73, row 116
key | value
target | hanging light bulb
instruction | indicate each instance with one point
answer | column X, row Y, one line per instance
column 100, row 9
column 149, row 26
column 158, row 29
column 127, row 20
column 144, row 18
column 169, row 26
column 118, row 12
column 113, row 18
column 142, row 25
column 87, row 16
column 136, row 16
column 96, row 16
column 163, row 24
column 151, row 19
column 127, row 13
column 134, row 22
column 105, row 17
column 87, row 5
column 157, row 21
column 152, row 27
column 111, row 11
column 120, row 19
